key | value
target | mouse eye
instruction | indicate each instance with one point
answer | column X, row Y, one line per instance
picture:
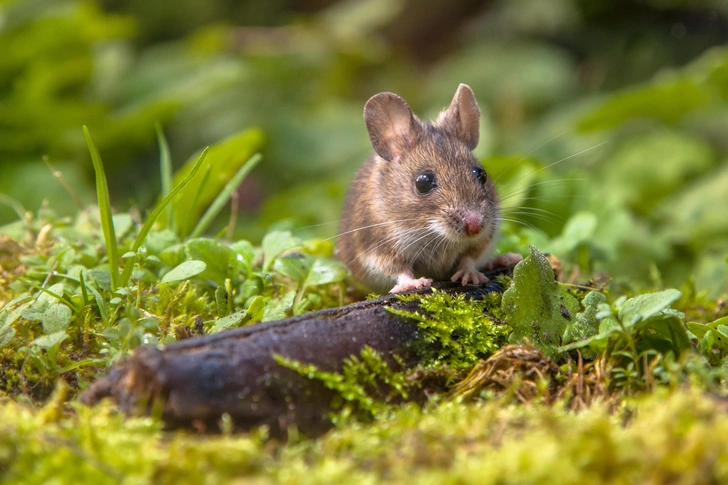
column 425, row 182
column 480, row 175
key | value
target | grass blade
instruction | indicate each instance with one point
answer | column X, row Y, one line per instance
column 165, row 167
column 142, row 236
column 84, row 293
column 100, row 303
column 224, row 196
column 188, row 222
column 107, row 224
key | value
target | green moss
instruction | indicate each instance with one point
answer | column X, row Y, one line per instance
column 666, row 437
column 366, row 383
column 457, row 332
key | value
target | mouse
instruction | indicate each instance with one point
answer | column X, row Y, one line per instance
column 421, row 208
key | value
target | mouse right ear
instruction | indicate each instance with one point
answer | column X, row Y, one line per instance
column 390, row 123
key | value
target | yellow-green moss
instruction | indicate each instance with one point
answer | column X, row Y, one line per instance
column 666, row 437
column 457, row 332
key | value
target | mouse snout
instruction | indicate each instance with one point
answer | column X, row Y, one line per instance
column 472, row 224
column 469, row 222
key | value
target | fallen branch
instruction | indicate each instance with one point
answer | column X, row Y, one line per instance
column 197, row 381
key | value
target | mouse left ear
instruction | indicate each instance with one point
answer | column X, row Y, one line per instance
column 391, row 125
column 462, row 118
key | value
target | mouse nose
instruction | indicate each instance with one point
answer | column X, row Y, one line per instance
column 472, row 224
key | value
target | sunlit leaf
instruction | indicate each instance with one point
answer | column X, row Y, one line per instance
column 185, row 271
column 537, row 307
column 274, row 244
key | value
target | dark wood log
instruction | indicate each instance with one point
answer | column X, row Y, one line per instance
column 196, row 381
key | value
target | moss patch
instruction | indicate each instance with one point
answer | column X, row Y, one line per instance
column 457, row 332
column 479, row 443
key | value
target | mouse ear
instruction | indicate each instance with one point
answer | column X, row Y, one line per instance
column 390, row 123
column 463, row 116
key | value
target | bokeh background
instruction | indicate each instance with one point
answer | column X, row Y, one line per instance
column 606, row 119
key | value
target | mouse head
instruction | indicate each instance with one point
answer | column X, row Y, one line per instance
column 426, row 170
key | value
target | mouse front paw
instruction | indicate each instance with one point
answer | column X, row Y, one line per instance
column 468, row 274
column 407, row 282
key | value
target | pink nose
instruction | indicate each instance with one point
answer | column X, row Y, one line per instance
column 472, row 224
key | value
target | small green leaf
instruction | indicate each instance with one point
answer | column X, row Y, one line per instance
column 158, row 241
column 222, row 262
column 246, row 254
column 22, row 298
column 586, row 323
column 256, row 309
column 222, row 300
column 276, row 243
column 232, row 320
column 645, row 306
column 14, row 315
column 599, row 340
column 56, row 318
column 184, row 271
column 49, row 341
column 278, row 308
column 52, row 294
column 706, row 343
column 668, row 329
column 295, row 267
column 701, row 329
column 325, row 271
column 6, row 335
column 173, row 255
column 101, row 277
column 308, row 271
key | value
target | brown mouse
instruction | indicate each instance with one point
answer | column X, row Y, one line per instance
column 421, row 208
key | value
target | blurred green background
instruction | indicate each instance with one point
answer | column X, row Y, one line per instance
column 629, row 97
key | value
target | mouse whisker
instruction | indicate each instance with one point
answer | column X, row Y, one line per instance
column 393, row 239
column 546, row 199
column 523, row 223
column 560, row 161
column 298, row 229
column 370, row 226
column 524, row 157
column 543, row 182
column 428, row 233
column 437, row 238
column 531, row 210
column 504, row 195
column 536, row 216
column 517, row 193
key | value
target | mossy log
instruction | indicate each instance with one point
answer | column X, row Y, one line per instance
column 193, row 383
